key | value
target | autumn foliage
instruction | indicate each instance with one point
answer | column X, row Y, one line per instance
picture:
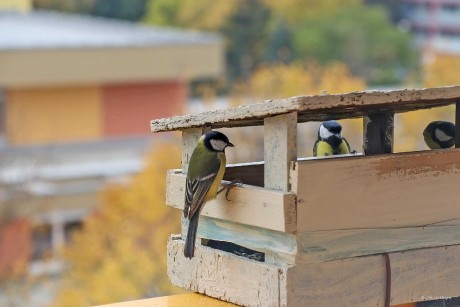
column 121, row 252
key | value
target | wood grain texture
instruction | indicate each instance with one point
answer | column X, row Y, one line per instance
column 189, row 140
column 378, row 133
column 279, row 247
column 224, row 276
column 280, row 148
column 416, row 276
column 320, row 246
column 247, row 205
column 386, row 191
column 315, row 108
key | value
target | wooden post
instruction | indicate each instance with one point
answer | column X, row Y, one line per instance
column 457, row 124
column 378, row 133
column 280, row 148
column 189, row 139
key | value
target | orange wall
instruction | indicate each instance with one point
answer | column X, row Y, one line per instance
column 128, row 108
column 46, row 115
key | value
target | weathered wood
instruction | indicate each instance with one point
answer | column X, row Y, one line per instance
column 247, row 205
column 280, row 148
column 315, row 108
column 320, row 246
column 457, row 124
column 416, row 276
column 249, row 173
column 279, row 247
column 224, row 276
column 189, row 139
column 397, row 190
column 378, row 133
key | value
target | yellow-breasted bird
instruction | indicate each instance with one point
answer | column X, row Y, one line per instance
column 330, row 141
column 205, row 172
column 439, row 134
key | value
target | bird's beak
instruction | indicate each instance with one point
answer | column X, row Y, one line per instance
column 230, row 144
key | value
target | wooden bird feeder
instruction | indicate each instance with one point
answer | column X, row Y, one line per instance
column 319, row 227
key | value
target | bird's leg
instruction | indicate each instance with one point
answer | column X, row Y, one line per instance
column 233, row 183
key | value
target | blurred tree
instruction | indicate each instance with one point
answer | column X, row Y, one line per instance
column 246, row 33
column 120, row 254
column 132, row 10
column 360, row 36
column 442, row 70
column 280, row 47
column 297, row 11
column 280, row 81
column 198, row 14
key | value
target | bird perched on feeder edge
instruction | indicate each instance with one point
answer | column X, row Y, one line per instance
column 330, row 141
column 205, row 172
column 439, row 134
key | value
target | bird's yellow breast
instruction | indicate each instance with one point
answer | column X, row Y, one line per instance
column 212, row 193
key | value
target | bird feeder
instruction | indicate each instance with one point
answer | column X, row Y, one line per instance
column 336, row 231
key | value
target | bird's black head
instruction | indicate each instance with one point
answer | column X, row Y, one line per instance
column 216, row 141
column 331, row 132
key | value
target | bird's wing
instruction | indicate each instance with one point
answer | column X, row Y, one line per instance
column 347, row 145
column 197, row 185
column 315, row 148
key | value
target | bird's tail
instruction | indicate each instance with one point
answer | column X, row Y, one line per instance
column 189, row 248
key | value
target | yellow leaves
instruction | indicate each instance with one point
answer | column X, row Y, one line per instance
column 206, row 14
column 442, row 70
column 298, row 10
column 280, row 81
column 121, row 252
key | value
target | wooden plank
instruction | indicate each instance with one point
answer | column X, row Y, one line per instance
column 397, row 190
column 249, row 205
column 378, row 133
column 188, row 299
column 249, row 173
column 189, row 140
column 224, row 276
column 280, row 148
column 416, row 276
column 279, row 247
column 319, row 246
column 315, row 108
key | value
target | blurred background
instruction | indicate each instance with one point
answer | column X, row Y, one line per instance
column 82, row 179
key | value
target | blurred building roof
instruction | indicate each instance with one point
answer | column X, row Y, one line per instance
column 43, row 178
column 75, row 49
column 52, row 30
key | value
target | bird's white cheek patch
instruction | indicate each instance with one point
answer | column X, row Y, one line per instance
column 440, row 135
column 218, row 145
column 324, row 133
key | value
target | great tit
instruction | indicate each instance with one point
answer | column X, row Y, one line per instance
column 204, row 176
column 330, row 141
column 439, row 134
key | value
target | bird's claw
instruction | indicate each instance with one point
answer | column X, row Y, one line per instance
column 229, row 186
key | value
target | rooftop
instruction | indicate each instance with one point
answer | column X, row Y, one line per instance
column 49, row 30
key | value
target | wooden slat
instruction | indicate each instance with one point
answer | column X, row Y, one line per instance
column 315, row 108
column 247, row 205
column 319, row 246
column 416, row 275
column 378, row 133
column 279, row 247
column 224, row 276
column 457, row 124
column 188, row 299
column 280, row 148
column 397, row 190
